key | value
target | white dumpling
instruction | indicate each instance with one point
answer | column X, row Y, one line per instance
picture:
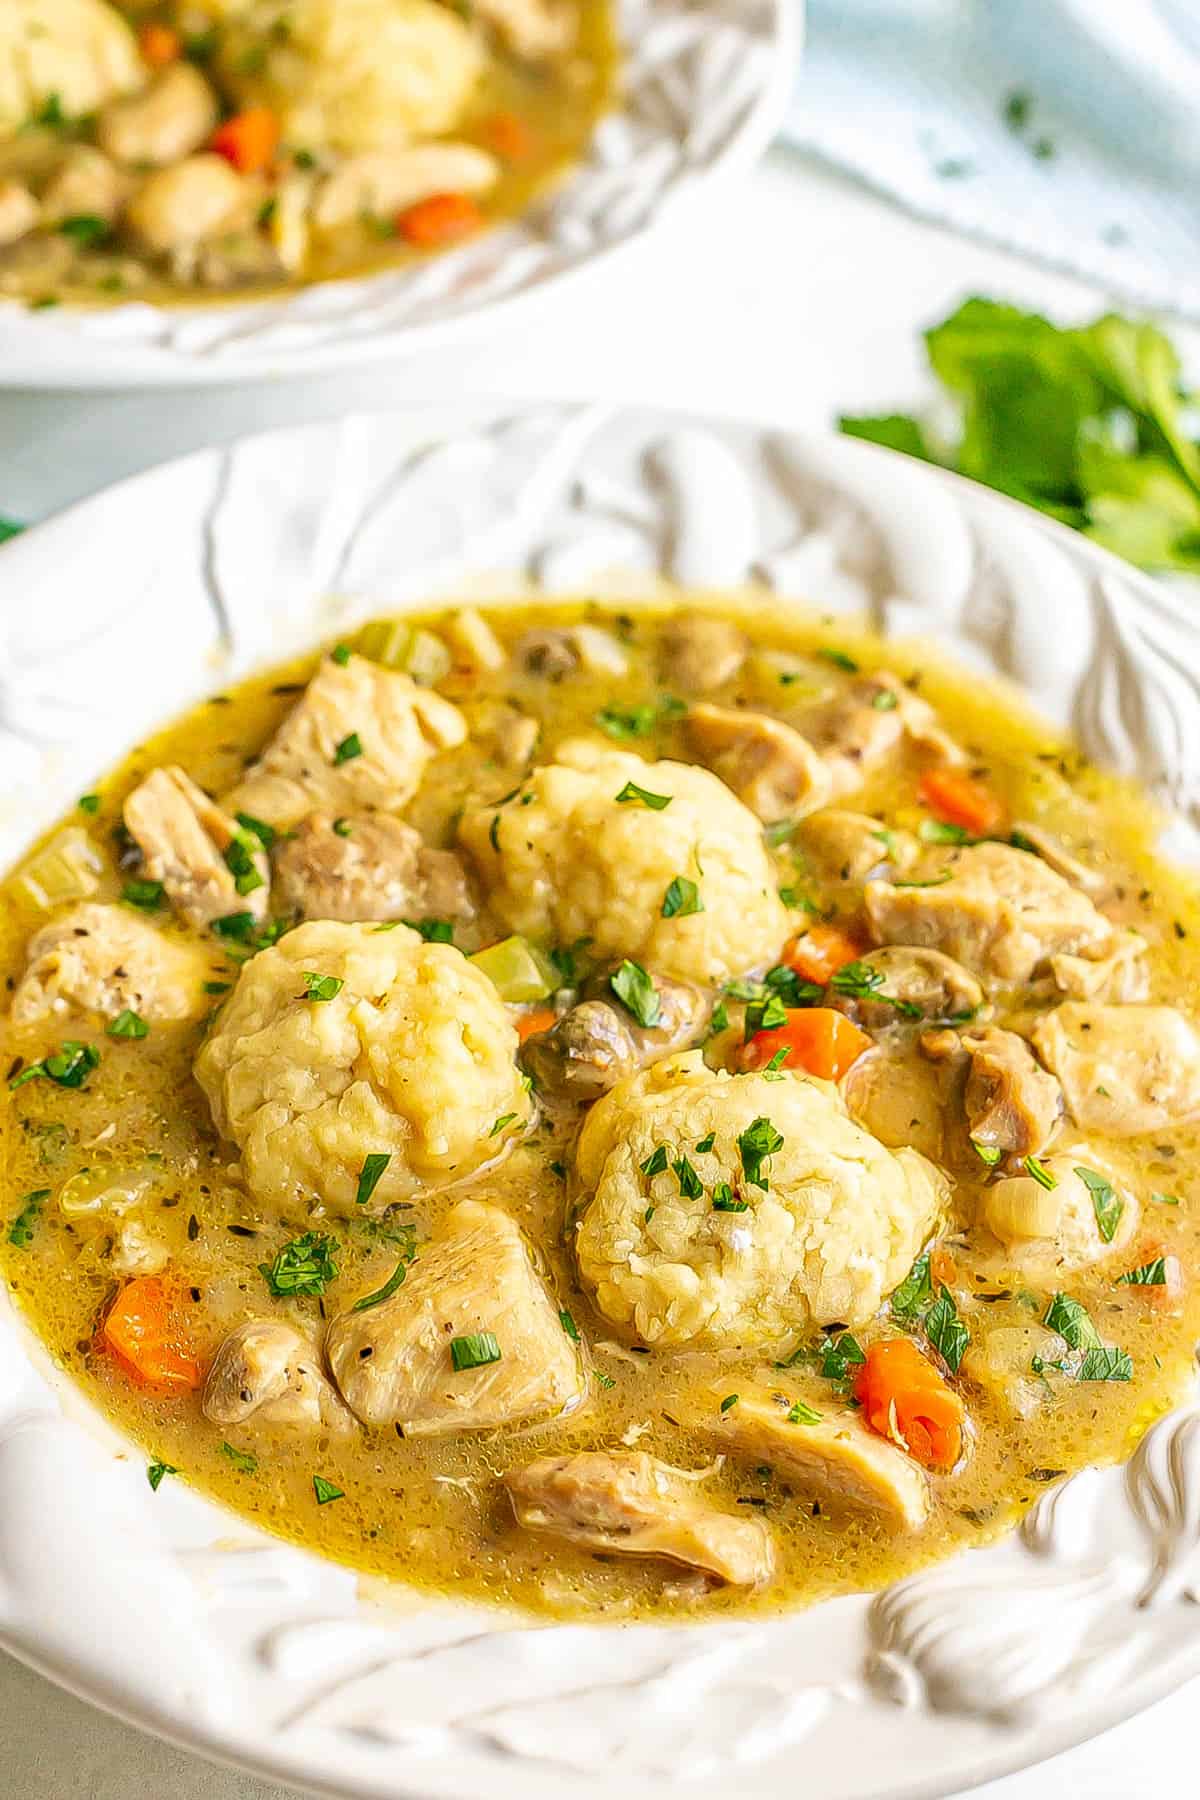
column 72, row 55
column 413, row 1058
column 565, row 859
column 834, row 1227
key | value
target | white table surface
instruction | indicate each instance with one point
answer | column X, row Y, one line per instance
column 804, row 297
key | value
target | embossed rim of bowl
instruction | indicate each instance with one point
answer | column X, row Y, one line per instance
column 706, row 83
column 263, row 1656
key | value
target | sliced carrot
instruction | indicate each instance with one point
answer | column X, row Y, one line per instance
column 816, row 1039
column 159, row 45
column 958, row 799
column 820, row 952
column 249, row 140
column 509, row 137
column 442, row 219
column 542, row 1018
column 147, row 1330
column 905, row 1398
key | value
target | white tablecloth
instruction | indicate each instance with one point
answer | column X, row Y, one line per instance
column 804, row 297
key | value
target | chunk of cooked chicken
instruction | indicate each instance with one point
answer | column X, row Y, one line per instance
column 1049, row 1228
column 627, row 1503
column 394, row 1362
column 701, row 652
column 836, row 1460
column 597, row 1042
column 770, row 767
column 193, row 847
column 1045, row 845
column 368, row 867
column 1012, row 1104
column 868, row 722
column 1124, row 1069
column 107, row 960
column 265, row 1370
column 927, row 984
column 1001, row 911
column 358, row 741
column 1118, row 978
column 769, row 1210
column 535, row 29
column 845, row 849
column 575, row 854
column 347, row 1041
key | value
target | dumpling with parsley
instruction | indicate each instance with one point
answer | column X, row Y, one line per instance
column 742, row 1210
column 652, row 861
column 62, row 59
column 360, row 1065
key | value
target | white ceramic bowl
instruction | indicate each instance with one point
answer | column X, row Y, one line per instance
column 181, row 1617
column 704, row 85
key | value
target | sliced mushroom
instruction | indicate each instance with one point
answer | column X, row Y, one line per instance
column 594, row 1044
column 869, row 720
column 1012, row 1104
column 845, row 850
column 701, row 652
column 916, row 985
column 626, row 1503
column 380, row 183
column 769, row 766
column 265, row 1370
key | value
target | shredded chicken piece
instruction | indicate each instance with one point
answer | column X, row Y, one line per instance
column 1118, row 978
column 700, row 652
column 769, row 766
column 187, row 842
column 370, row 866
column 867, row 723
column 107, row 960
column 634, row 1505
column 917, row 984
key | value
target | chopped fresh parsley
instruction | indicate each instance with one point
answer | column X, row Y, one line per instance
column 68, row 1067
column 1150, row 1274
column 148, row 895
column 88, row 803
column 856, row 979
column 756, row 1145
column 656, row 1162
column 1072, row 1322
column 730, row 1400
column 127, row 1024
column 1106, row 1202
column 839, row 659
column 394, row 1281
column 725, row 1200
column 434, row 931
column 773, row 1070
column 1165, row 1199
column 340, row 654
column 801, row 1413
column 989, row 1154
column 778, row 832
column 938, row 831
column 237, row 927
column 321, row 987
column 681, row 899
column 767, row 1014
column 216, row 987
column 885, row 701
column 631, row 794
column 242, row 1460
column 370, row 1173
column 239, row 860
column 720, row 1019
column 325, row 1491
column 568, row 1324
column 20, row 1232
column 704, row 1145
column 603, row 1380
column 636, row 991
column 839, row 1356
column 266, row 834
column 913, row 1296
column 946, row 1331
column 690, row 1185
column 303, row 1266
column 1041, row 1174
column 1106, row 1363
column 342, row 828
column 155, row 1472
column 626, row 722
column 474, row 1351
column 348, row 749
column 499, row 1124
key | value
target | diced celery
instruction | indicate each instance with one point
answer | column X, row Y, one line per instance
column 428, row 659
column 67, row 868
column 518, row 969
column 395, row 644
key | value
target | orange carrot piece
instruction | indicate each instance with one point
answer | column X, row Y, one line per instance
column 817, row 1039
column 159, row 45
column 442, row 219
column 509, row 137
column 942, row 1271
column 957, row 799
column 820, row 952
column 542, row 1018
column 249, row 140
column 906, row 1399
column 147, row 1330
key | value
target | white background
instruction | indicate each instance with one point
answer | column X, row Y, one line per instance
column 797, row 297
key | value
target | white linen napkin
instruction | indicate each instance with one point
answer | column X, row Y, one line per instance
column 1067, row 130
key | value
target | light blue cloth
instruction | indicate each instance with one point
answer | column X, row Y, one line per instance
column 1067, row 130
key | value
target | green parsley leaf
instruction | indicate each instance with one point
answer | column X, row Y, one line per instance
column 348, row 749
column 370, row 1173
column 704, row 1145
column 342, row 828
column 839, row 659
column 636, row 991
column 839, row 1356
column 242, row 1460
column 1151, row 1274
column 626, row 722
column 1165, row 1199
column 856, row 979
column 320, row 987
column 937, row 831
column 690, row 1185
column 20, row 1232
column 303, row 1266
column 1072, row 1322
column 656, row 1162
column 1041, row 1174
column 764, row 1015
column 394, row 1281
column 681, row 899
column 88, row 803
column 603, row 1380
column 266, row 834
column 474, row 1351
column 325, row 1491
column 340, row 654
column 127, row 1024
column 756, row 1144
column 772, row 1071
column 85, row 229
column 239, row 860
column 946, row 1331
column 155, row 1472
column 1106, row 1202
column 720, row 1019
column 895, row 431
column 911, row 1299
column 1106, row 1363
column 631, row 793
column 434, row 931
column 501, row 1122
column 801, row 1413
column 779, row 832
column 729, row 1401
column 148, row 895
column 217, row 987
column 569, row 1326
column 237, row 927
column 68, row 1067
column 990, row 1154
column 885, row 700
column 725, row 1200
